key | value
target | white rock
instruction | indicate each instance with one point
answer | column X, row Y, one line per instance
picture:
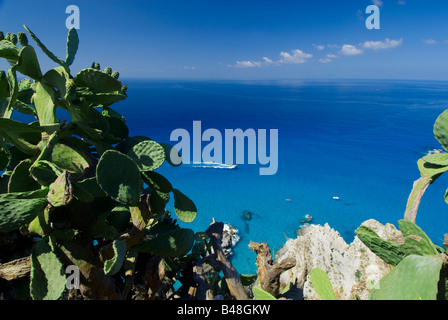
column 352, row 269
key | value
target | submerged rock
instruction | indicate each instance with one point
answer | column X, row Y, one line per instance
column 247, row 215
column 351, row 268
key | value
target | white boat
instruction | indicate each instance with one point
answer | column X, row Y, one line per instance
column 213, row 165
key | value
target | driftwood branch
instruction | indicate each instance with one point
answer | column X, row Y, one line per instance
column 15, row 269
column 268, row 273
column 231, row 275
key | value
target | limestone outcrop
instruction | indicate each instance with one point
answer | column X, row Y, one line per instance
column 351, row 268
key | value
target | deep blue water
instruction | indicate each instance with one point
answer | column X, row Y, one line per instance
column 357, row 140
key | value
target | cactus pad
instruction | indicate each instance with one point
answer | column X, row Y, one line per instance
column 47, row 277
column 184, row 208
column 149, row 155
column 20, row 208
column 168, row 243
column 414, row 278
column 322, row 284
column 119, row 177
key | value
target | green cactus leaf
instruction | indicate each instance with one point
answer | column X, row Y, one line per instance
column 117, row 127
column 168, row 243
column 172, row 155
column 23, row 108
column 158, row 201
column 441, row 129
column 99, row 98
column 28, row 64
column 70, row 158
column 321, row 284
column 390, row 252
column 438, row 159
column 20, row 208
column 127, row 144
column 14, row 92
column 184, row 208
column 112, row 266
column 45, row 172
column 119, row 177
column 8, row 125
column 5, row 158
column 40, row 225
column 23, row 40
column 44, row 100
column 97, row 81
column 414, row 278
column 21, row 179
column 45, row 50
column 25, row 90
column 57, row 78
column 416, row 241
column 149, row 155
column 72, row 46
column 9, row 51
column 61, row 191
column 430, row 170
column 4, row 89
column 156, row 181
column 119, row 218
column 48, row 279
column 260, row 294
column 91, row 186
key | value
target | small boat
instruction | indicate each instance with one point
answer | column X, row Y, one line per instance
column 336, row 198
column 213, row 165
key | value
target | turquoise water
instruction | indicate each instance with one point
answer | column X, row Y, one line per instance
column 356, row 140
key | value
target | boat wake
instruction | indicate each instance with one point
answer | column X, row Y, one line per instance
column 212, row 165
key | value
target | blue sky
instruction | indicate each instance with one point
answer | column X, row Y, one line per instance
column 214, row 39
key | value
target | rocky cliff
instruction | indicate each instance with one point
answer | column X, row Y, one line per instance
column 352, row 268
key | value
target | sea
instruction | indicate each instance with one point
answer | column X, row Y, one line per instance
column 346, row 152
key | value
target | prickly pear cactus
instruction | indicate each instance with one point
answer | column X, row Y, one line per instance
column 47, row 274
column 83, row 190
column 321, row 284
column 414, row 278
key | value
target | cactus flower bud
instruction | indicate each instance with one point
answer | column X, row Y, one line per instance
column 108, row 70
column 96, row 65
column 12, row 37
column 23, row 40
column 115, row 74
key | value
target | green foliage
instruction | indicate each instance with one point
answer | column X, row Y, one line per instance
column 47, row 275
column 260, row 294
column 414, row 278
column 81, row 180
column 417, row 264
column 112, row 266
column 321, row 284
column 416, row 242
column 119, row 177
